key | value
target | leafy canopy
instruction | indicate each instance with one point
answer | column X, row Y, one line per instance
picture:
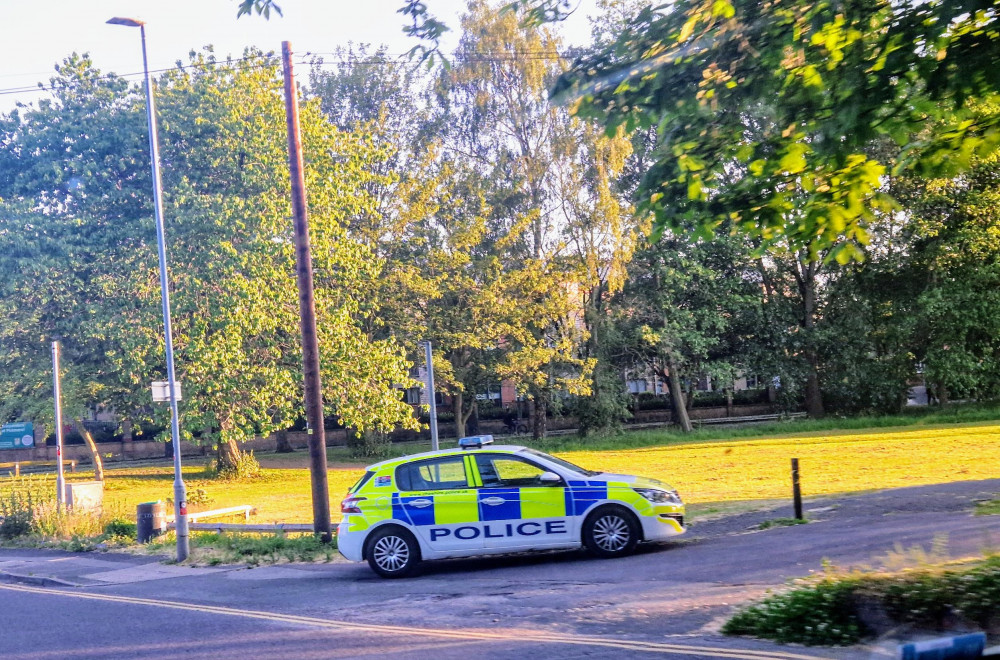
column 763, row 110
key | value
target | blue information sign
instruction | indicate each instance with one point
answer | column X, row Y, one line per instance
column 19, row 435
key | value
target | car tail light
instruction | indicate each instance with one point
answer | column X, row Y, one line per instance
column 350, row 504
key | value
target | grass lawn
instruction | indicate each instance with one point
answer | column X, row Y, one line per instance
column 718, row 474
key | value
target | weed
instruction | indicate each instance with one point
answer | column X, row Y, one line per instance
column 988, row 508
column 200, row 497
column 256, row 549
column 21, row 498
column 782, row 522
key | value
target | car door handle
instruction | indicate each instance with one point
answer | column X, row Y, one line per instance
column 420, row 503
column 493, row 501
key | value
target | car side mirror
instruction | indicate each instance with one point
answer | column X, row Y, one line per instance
column 549, row 478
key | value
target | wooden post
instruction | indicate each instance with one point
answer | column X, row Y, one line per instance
column 307, row 308
column 17, row 468
column 796, row 491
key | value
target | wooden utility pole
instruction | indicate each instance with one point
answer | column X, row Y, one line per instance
column 307, row 308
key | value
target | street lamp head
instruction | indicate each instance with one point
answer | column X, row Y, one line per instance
column 128, row 22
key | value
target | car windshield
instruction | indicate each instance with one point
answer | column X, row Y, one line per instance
column 560, row 462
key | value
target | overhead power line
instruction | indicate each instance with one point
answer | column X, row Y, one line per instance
column 314, row 59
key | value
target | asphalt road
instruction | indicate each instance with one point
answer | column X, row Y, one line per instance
column 666, row 601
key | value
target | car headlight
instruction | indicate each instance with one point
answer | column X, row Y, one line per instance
column 658, row 496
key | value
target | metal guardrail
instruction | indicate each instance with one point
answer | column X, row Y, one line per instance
column 745, row 419
column 235, row 527
column 16, row 468
column 748, row 418
column 244, row 509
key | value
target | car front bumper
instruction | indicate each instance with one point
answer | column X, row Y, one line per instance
column 662, row 525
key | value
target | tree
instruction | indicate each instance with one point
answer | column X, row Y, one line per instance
column 684, row 307
column 829, row 76
column 69, row 185
column 954, row 260
column 230, row 249
column 502, row 124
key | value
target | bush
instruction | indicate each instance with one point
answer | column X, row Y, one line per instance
column 121, row 528
column 370, row 444
column 650, row 401
column 244, row 468
column 828, row 612
column 821, row 614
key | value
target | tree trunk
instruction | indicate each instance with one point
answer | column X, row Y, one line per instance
column 814, row 395
column 282, row 445
column 942, row 394
column 681, row 417
column 540, row 423
column 92, row 446
column 457, row 401
column 729, row 402
column 805, row 276
column 472, row 419
column 228, row 454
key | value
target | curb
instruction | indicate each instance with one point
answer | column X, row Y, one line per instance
column 36, row 580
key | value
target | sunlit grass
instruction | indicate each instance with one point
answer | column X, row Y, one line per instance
column 717, row 476
column 760, row 468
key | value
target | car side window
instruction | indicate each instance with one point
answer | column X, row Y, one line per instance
column 433, row 474
column 498, row 471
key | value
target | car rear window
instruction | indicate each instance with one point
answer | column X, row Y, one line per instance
column 432, row 474
column 361, row 482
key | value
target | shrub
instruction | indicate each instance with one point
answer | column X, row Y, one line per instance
column 828, row 611
column 244, row 468
column 821, row 614
column 121, row 528
column 369, row 444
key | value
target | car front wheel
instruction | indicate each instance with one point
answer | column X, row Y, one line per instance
column 393, row 552
column 610, row 531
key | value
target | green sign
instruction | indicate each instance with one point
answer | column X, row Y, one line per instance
column 20, row 435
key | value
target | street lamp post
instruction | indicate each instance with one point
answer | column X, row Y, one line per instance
column 180, row 490
column 431, row 396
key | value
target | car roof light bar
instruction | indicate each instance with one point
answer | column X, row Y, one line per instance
column 475, row 441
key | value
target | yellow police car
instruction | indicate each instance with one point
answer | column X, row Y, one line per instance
column 481, row 499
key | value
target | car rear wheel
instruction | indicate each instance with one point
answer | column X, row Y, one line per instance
column 611, row 531
column 393, row 552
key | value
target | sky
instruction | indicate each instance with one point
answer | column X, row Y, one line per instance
column 37, row 34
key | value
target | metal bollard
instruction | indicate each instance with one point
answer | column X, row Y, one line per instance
column 796, row 490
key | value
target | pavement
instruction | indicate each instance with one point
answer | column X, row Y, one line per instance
column 667, row 600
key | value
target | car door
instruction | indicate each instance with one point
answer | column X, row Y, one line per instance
column 440, row 502
column 517, row 510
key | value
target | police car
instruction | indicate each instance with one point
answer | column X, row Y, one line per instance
column 482, row 499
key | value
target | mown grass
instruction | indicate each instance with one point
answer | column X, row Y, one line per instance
column 716, row 470
column 726, row 471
